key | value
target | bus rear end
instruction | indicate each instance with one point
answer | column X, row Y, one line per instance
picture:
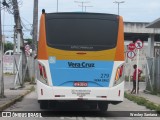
column 80, row 57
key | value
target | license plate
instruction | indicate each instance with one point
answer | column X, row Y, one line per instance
column 80, row 84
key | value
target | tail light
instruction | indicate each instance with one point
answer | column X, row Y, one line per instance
column 42, row 71
column 119, row 72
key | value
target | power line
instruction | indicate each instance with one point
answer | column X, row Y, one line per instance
column 29, row 30
column 85, row 7
column 82, row 2
column 13, row 25
column 24, row 26
column 26, row 21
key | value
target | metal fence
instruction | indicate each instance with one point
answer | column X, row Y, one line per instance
column 153, row 74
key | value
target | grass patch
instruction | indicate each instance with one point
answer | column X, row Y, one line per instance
column 142, row 101
column 158, row 109
column 8, row 74
column 151, row 105
column 32, row 88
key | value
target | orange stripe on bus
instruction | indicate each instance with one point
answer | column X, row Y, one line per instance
column 119, row 56
column 42, row 45
column 90, row 55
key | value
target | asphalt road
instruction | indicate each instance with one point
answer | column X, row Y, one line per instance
column 73, row 111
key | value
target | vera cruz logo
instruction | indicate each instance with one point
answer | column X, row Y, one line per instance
column 81, row 65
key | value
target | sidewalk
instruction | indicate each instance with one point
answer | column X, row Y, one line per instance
column 152, row 98
column 12, row 96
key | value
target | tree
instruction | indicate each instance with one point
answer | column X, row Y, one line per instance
column 8, row 46
column 29, row 41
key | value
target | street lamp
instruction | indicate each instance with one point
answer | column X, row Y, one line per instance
column 118, row 2
column 57, row 5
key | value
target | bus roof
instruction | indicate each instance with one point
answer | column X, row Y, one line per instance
column 81, row 15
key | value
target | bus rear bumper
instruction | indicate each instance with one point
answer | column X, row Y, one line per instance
column 109, row 94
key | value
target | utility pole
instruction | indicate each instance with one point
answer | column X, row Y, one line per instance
column 82, row 4
column 86, row 8
column 57, row 5
column 1, row 59
column 35, row 31
column 20, row 40
column 118, row 3
column 18, row 24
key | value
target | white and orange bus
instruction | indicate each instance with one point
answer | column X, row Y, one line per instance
column 80, row 58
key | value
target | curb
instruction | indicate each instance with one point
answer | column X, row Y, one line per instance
column 14, row 100
column 143, row 102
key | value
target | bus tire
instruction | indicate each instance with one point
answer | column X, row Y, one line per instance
column 103, row 106
column 93, row 105
column 43, row 104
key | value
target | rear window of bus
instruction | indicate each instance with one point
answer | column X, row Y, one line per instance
column 87, row 32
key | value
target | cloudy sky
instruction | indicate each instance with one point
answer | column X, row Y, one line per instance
column 131, row 10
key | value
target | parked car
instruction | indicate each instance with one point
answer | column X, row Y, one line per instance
column 9, row 52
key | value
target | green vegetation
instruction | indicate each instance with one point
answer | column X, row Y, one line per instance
column 8, row 46
column 32, row 80
column 32, row 88
column 153, row 91
column 142, row 101
column 29, row 41
column 158, row 108
column 8, row 74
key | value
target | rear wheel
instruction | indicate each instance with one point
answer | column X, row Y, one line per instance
column 103, row 106
column 93, row 105
column 43, row 104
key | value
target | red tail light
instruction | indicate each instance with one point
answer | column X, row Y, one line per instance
column 119, row 72
column 42, row 71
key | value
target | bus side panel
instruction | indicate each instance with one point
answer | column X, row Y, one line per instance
column 42, row 45
column 119, row 56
